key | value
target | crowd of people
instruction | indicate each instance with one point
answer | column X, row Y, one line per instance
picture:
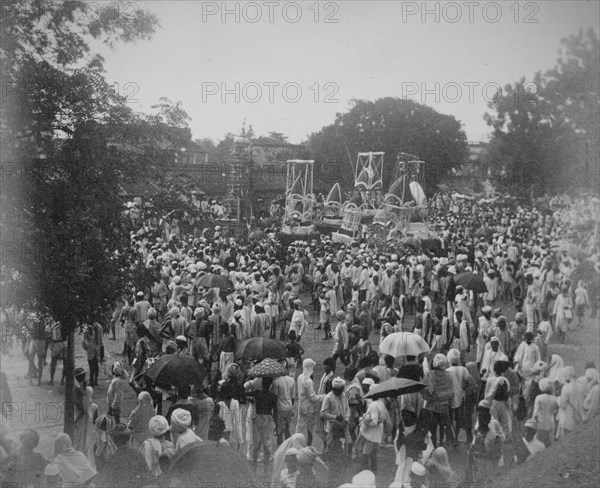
column 491, row 380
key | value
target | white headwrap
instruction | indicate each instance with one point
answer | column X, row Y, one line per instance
column 453, row 356
column 308, row 365
column 180, row 419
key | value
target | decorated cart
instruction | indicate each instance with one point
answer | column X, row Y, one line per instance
column 359, row 211
column 299, row 202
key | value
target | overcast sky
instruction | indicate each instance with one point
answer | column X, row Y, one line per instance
column 291, row 66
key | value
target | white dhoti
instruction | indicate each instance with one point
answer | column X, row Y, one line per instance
column 225, row 359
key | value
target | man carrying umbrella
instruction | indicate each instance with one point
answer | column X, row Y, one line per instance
column 372, row 431
column 284, row 389
column 265, row 403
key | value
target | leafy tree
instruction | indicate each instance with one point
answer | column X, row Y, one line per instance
column 545, row 132
column 145, row 148
column 207, row 145
column 277, row 137
column 573, row 87
column 169, row 113
column 62, row 200
column 393, row 126
column 224, row 148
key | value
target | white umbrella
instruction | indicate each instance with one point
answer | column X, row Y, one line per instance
column 403, row 344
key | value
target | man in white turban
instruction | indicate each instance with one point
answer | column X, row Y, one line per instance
column 181, row 422
column 373, row 426
column 308, row 401
column 335, row 408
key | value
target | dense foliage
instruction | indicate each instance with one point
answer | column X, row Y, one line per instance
column 59, row 195
column 391, row 125
column 546, row 131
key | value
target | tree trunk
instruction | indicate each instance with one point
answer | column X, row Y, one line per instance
column 69, row 365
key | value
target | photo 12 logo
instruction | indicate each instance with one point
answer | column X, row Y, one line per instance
column 270, row 12
column 470, row 12
column 11, row 171
column 468, row 92
column 32, row 412
column 11, row 330
column 269, row 92
column 19, row 252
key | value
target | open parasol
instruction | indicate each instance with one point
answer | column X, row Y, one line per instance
column 259, row 348
column 267, row 368
column 403, row 344
column 175, row 370
column 208, row 463
column 471, row 281
column 394, row 387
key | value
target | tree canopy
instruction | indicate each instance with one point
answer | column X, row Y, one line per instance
column 546, row 131
column 391, row 125
column 170, row 113
column 60, row 198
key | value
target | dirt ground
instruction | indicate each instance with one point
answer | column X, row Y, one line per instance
column 573, row 461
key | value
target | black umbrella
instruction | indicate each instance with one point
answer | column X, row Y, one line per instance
column 471, row 281
column 175, row 370
column 208, row 463
column 259, row 348
column 394, row 387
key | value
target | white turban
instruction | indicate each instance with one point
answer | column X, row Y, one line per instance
column 453, row 356
column 440, row 361
column 180, row 419
column 308, row 365
column 158, row 425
